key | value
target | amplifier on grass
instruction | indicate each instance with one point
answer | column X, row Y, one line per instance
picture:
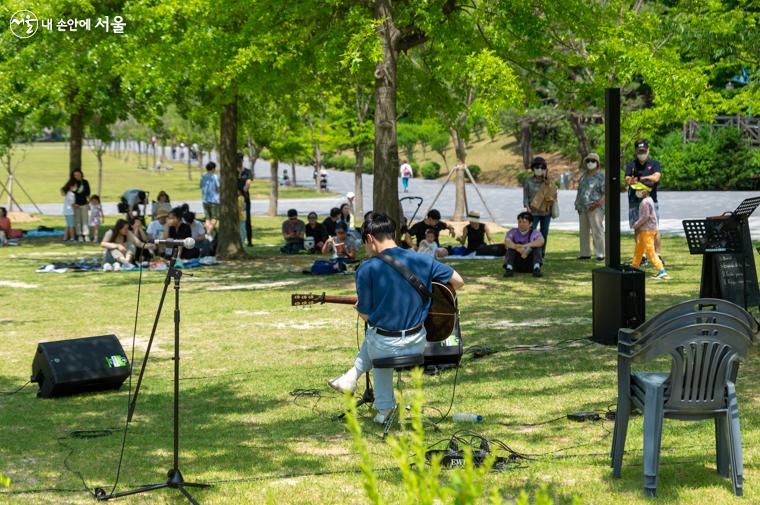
column 67, row 367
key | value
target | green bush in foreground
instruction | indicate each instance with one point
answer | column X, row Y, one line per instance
column 4, row 481
column 423, row 482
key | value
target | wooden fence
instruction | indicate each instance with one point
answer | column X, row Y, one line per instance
column 750, row 125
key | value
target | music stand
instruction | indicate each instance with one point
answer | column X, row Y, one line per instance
column 174, row 476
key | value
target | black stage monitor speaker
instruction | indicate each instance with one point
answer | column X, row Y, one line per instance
column 67, row 367
column 618, row 301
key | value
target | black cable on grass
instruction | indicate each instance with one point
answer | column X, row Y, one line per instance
column 9, row 393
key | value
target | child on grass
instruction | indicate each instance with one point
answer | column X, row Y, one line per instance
column 96, row 217
column 69, row 198
column 646, row 231
column 429, row 246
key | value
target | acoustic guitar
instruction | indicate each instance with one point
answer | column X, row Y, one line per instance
column 441, row 319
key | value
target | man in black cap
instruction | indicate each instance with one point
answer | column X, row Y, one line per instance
column 647, row 171
column 245, row 178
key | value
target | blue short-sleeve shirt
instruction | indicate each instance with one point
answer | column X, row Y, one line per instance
column 387, row 298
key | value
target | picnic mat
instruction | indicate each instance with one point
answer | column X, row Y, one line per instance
column 96, row 266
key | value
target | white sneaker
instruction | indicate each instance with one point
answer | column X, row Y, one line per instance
column 382, row 416
column 343, row 383
column 116, row 267
column 107, row 267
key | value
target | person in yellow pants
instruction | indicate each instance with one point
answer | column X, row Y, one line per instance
column 646, row 231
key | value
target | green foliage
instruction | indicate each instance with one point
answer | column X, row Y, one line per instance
column 5, row 481
column 720, row 159
column 430, row 170
column 474, row 171
column 523, row 176
column 368, row 166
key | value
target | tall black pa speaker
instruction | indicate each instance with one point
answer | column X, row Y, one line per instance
column 67, row 367
column 618, row 302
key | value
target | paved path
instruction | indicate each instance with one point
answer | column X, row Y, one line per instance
column 505, row 203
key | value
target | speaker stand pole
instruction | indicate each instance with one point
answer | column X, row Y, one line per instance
column 175, row 480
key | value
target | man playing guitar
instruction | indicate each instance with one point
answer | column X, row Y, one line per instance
column 392, row 308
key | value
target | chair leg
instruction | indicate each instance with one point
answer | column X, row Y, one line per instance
column 722, row 454
column 735, row 435
column 622, row 416
column 653, row 416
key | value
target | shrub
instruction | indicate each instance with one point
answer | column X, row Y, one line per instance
column 328, row 161
column 415, row 168
column 720, row 159
column 4, row 481
column 430, row 170
column 474, row 171
column 522, row 176
column 343, row 162
column 368, row 165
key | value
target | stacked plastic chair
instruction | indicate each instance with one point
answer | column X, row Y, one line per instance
column 705, row 339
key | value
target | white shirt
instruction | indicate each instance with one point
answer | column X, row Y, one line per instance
column 155, row 229
column 428, row 249
column 406, row 170
column 68, row 203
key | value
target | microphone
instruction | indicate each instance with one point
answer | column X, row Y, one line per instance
column 187, row 243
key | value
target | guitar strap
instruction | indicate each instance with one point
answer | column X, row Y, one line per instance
column 408, row 275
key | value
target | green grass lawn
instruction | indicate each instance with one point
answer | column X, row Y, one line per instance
column 244, row 348
column 42, row 169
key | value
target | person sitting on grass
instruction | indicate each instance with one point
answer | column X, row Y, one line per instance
column 120, row 246
column 331, row 221
column 523, row 247
column 293, row 230
column 137, row 229
column 429, row 247
column 198, row 232
column 474, row 233
column 6, row 232
column 163, row 202
column 316, row 231
column 178, row 230
column 646, row 231
column 432, row 221
column 342, row 246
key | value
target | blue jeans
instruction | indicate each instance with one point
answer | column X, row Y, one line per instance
column 377, row 346
column 292, row 248
column 544, row 222
column 405, row 182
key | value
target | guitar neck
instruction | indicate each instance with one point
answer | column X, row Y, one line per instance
column 346, row 300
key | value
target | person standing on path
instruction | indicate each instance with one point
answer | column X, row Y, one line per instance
column 589, row 202
column 539, row 195
column 210, row 185
column 245, row 178
column 645, row 170
column 406, row 173
column 81, row 206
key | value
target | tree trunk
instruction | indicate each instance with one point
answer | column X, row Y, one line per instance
column 385, row 191
column 576, row 123
column 525, row 141
column 76, row 122
column 274, row 166
column 358, row 186
column 189, row 163
column 316, row 153
column 460, row 200
column 229, row 244
column 293, row 167
column 99, row 154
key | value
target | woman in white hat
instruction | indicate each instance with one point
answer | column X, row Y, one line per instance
column 589, row 202
column 474, row 233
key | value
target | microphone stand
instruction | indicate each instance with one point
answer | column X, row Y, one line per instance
column 175, row 479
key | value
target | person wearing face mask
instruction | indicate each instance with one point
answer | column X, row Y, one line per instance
column 645, row 170
column 589, row 202
column 646, row 229
column 539, row 195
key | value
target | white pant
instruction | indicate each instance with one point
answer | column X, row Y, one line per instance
column 592, row 223
column 377, row 346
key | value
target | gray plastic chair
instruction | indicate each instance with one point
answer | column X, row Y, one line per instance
column 700, row 385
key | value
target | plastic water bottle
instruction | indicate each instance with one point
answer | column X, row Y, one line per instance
column 466, row 417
